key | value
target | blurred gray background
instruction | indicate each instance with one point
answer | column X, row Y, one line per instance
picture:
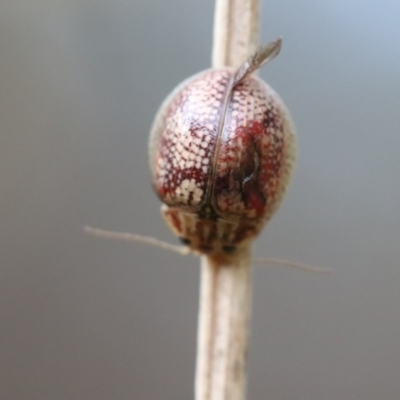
column 86, row 318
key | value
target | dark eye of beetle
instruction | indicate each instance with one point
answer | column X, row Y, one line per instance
column 228, row 248
column 185, row 241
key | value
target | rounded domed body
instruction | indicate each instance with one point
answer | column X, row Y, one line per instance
column 221, row 157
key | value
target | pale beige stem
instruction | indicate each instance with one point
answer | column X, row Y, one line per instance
column 225, row 282
column 225, row 296
column 225, row 289
column 236, row 32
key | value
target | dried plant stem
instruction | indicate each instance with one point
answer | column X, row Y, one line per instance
column 225, row 288
column 236, row 34
column 223, row 328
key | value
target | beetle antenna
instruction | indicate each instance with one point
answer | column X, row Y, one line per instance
column 285, row 263
column 131, row 237
column 183, row 250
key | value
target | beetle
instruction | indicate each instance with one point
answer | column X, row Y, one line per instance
column 222, row 150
